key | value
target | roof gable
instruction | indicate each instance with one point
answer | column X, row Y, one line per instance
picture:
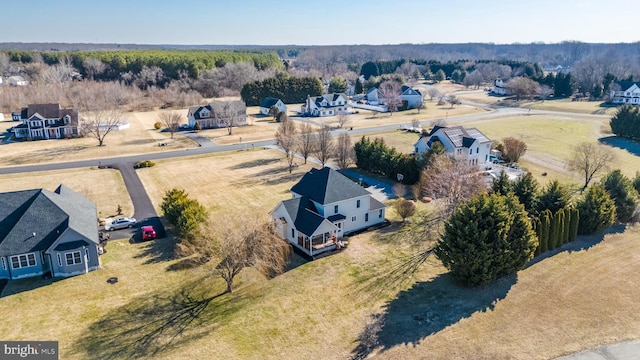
column 303, row 214
column 268, row 102
column 326, row 186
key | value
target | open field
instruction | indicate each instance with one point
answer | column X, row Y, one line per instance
column 567, row 302
column 104, row 187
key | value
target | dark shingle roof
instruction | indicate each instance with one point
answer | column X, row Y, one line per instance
column 71, row 245
column 302, row 213
column 326, row 186
column 625, row 85
column 268, row 102
column 49, row 111
column 47, row 215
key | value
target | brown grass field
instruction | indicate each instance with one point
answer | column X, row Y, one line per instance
column 578, row 297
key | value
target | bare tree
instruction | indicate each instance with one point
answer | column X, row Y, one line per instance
column 60, row 73
column 4, row 63
column 287, row 139
column 405, row 208
column 513, row 148
column 522, row 87
column 238, row 244
column 590, row 159
column 451, row 180
column 453, row 100
column 100, row 121
column 389, row 94
column 229, row 113
column 415, row 123
column 323, row 145
column 474, row 78
column 93, row 67
column 306, row 143
column 171, row 120
column 433, row 93
column 544, row 92
column 345, row 154
column 343, row 119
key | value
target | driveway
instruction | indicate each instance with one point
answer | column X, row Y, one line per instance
column 622, row 351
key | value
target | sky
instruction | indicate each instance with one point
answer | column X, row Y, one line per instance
column 318, row 22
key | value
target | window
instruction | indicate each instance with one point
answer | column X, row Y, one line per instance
column 335, row 209
column 86, row 253
column 470, row 151
column 353, row 218
column 477, row 150
column 73, row 258
column 4, row 264
column 293, row 233
column 21, row 261
column 366, row 217
column 380, row 214
column 357, row 203
column 59, row 260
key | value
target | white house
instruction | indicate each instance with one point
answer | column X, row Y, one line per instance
column 372, row 96
column 17, row 81
column 217, row 114
column 325, row 206
column 629, row 93
column 46, row 121
column 269, row 102
column 325, row 105
column 470, row 143
column 499, row 88
column 413, row 97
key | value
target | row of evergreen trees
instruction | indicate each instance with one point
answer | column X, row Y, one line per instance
column 556, row 229
column 172, row 62
column 376, row 157
column 289, row 89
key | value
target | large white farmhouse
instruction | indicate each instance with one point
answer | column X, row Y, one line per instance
column 470, row 143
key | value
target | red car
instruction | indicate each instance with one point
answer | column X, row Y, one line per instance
column 148, row 233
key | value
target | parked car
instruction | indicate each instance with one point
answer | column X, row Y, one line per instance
column 121, row 223
column 148, row 233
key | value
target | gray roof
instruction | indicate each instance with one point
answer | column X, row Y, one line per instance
column 49, row 111
column 461, row 137
column 47, row 215
column 326, row 186
column 303, row 214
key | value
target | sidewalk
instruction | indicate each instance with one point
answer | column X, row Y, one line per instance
column 622, row 351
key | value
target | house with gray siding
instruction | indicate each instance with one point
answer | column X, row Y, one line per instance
column 325, row 206
column 44, row 232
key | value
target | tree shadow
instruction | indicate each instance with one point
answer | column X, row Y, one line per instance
column 429, row 307
column 254, row 163
column 17, row 286
column 582, row 242
column 158, row 250
column 154, row 323
column 620, row 143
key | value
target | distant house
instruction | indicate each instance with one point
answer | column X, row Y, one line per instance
column 47, row 232
column 268, row 103
column 413, row 97
column 371, row 96
column 325, row 105
column 629, row 93
column 217, row 114
column 0, row 80
column 46, row 121
column 499, row 88
column 325, row 206
column 468, row 143
column 17, row 81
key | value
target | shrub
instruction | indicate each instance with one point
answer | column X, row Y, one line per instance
column 144, row 164
column 157, row 125
column 623, row 193
column 597, row 210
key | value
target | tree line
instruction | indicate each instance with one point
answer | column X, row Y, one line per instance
column 289, row 89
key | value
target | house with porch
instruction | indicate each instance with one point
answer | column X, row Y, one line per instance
column 268, row 103
column 44, row 232
column 629, row 93
column 325, row 206
column 468, row 143
column 218, row 114
column 46, row 121
column 325, row 105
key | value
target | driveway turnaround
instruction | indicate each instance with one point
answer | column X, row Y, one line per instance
column 622, row 351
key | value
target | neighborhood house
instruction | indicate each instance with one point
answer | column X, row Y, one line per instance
column 218, row 114
column 630, row 93
column 325, row 105
column 268, row 103
column 46, row 121
column 499, row 88
column 44, row 232
column 325, row 206
column 470, row 143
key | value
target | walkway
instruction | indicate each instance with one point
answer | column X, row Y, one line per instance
column 622, row 351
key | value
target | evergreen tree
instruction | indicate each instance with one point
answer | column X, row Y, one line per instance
column 440, row 76
column 636, row 181
column 486, row 237
column 502, row 185
column 553, row 197
column 597, row 210
column 573, row 226
column 545, row 224
column 358, row 87
column 626, row 122
column 625, row 196
column 526, row 190
column 337, row 84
